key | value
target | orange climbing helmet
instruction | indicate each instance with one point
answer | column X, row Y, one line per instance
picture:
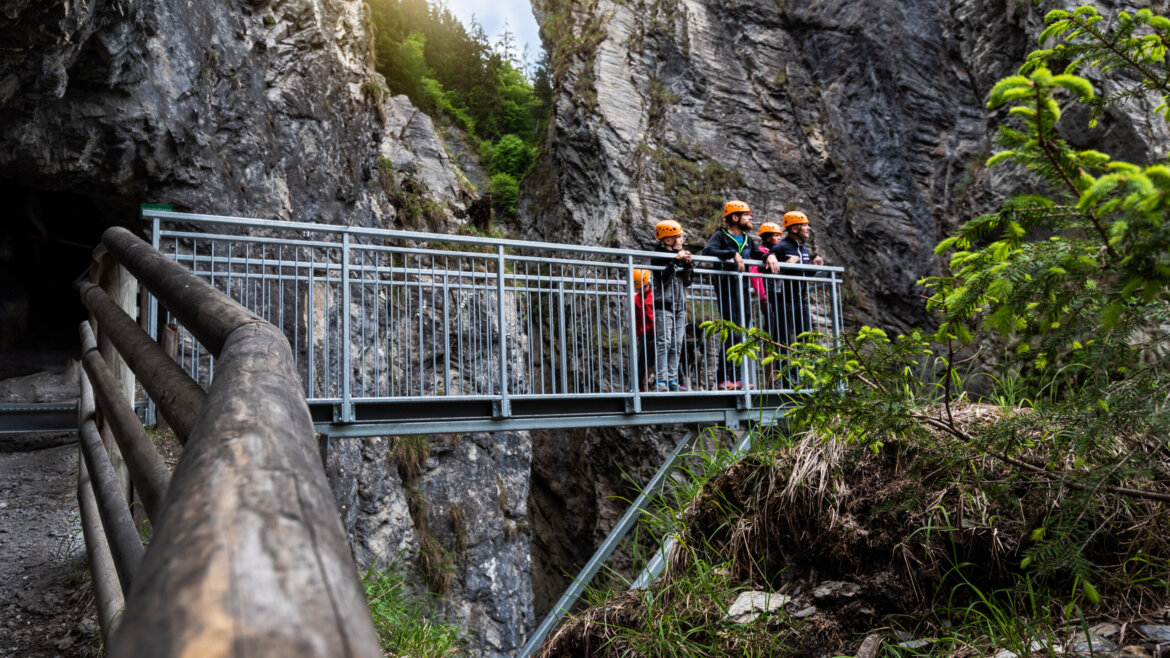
column 641, row 278
column 769, row 227
column 667, row 228
column 794, row 217
column 735, row 206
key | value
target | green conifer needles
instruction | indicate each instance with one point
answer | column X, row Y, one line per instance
column 1136, row 43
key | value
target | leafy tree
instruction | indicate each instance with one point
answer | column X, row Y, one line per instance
column 425, row 52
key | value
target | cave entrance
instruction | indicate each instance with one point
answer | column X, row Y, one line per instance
column 46, row 242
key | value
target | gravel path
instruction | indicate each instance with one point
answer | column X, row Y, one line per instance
column 46, row 606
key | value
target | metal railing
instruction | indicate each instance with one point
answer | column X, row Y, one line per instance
column 246, row 555
column 478, row 333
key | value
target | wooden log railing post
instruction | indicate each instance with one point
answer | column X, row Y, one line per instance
column 147, row 470
column 249, row 556
column 125, row 546
column 104, row 271
column 107, row 590
column 172, row 389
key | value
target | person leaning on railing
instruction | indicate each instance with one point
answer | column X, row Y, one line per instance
column 767, row 289
column 793, row 301
column 729, row 244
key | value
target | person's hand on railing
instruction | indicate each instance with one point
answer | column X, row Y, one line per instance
column 684, row 256
column 773, row 264
column 739, row 262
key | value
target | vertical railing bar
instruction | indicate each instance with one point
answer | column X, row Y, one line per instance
column 446, row 326
column 743, row 366
column 505, row 403
column 602, row 372
column 375, row 315
column 346, row 333
column 152, row 327
column 563, row 345
column 419, row 312
column 311, row 323
column 296, row 316
column 434, row 376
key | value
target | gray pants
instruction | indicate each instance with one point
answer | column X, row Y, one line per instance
column 670, row 328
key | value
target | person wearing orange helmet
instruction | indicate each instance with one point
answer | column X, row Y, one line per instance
column 670, row 294
column 766, row 287
column 730, row 244
column 643, row 323
column 793, row 298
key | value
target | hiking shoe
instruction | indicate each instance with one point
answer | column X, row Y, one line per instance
column 729, row 385
column 675, row 386
column 661, row 387
column 739, row 386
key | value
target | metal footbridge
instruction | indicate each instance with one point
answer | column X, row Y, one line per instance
column 397, row 332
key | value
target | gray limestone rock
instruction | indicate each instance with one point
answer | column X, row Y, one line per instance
column 869, row 115
column 268, row 109
column 467, row 507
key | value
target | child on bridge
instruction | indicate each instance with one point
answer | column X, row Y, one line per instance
column 670, row 293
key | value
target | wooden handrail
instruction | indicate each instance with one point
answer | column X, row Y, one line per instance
column 207, row 313
column 248, row 556
column 125, row 546
column 147, row 470
column 171, row 388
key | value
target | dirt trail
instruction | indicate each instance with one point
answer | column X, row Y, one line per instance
column 46, row 608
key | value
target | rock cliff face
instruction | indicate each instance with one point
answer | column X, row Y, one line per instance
column 462, row 512
column 867, row 114
column 266, row 109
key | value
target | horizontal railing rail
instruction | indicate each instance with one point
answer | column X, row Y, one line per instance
column 246, row 553
column 497, row 331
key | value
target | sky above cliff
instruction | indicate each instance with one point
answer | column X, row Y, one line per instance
column 492, row 16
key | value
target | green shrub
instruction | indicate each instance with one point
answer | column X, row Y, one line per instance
column 409, row 624
column 505, row 191
column 511, row 156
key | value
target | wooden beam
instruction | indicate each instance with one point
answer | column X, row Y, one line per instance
column 249, row 557
column 178, row 396
column 107, row 590
column 208, row 314
column 106, row 272
column 122, row 536
column 147, row 470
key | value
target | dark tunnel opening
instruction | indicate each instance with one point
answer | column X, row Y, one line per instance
column 46, row 242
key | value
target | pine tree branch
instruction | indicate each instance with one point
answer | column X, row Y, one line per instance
column 1049, row 152
column 1123, row 55
column 1018, row 463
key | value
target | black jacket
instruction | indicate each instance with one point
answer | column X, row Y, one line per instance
column 670, row 283
column 722, row 246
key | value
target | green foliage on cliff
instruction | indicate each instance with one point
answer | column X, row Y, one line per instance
column 409, row 624
column 423, row 51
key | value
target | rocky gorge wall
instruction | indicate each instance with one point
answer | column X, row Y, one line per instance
column 270, row 109
column 867, row 114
